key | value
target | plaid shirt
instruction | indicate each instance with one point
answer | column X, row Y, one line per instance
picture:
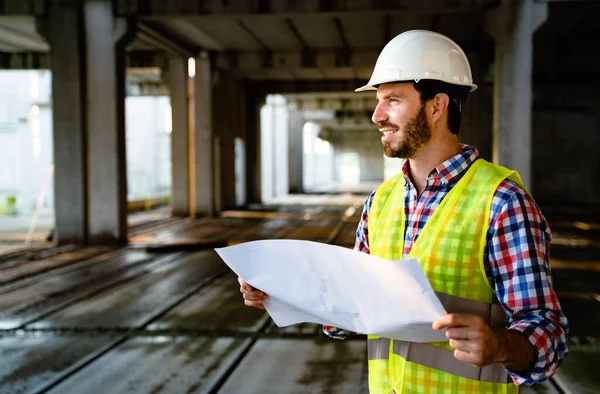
column 515, row 259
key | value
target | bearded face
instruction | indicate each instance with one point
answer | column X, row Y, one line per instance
column 406, row 143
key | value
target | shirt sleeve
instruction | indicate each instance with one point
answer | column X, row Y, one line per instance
column 361, row 245
column 517, row 251
column 362, row 232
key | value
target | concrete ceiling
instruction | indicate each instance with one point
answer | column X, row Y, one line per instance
column 18, row 34
column 295, row 40
column 267, row 39
column 311, row 45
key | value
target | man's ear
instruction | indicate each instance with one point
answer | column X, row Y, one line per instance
column 439, row 106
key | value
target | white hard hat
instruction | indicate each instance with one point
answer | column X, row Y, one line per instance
column 421, row 54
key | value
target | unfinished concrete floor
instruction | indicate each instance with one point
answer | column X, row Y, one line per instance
column 164, row 314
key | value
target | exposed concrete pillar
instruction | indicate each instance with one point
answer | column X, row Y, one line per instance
column 225, row 153
column 202, row 143
column 295, row 150
column 105, row 93
column 63, row 29
column 224, row 172
column 228, row 124
column 176, row 78
column 513, row 24
column 254, row 101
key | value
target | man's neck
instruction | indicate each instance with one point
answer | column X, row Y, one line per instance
column 431, row 156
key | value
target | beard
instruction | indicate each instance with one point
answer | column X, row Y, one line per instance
column 417, row 133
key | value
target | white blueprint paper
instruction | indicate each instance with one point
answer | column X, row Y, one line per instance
column 325, row 284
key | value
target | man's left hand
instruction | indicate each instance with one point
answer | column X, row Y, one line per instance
column 473, row 340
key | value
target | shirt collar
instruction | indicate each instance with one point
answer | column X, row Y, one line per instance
column 451, row 170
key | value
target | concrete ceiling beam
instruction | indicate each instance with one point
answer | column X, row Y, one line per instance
column 157, row 37
column 23, row 7
column 207, row 9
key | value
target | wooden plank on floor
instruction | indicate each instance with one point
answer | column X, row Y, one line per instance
column 29, row 362
column 315, row 230
column 15, row 270
column 57, row 289
column 265, row 229
column 579, row 371
column 157, row 365
column 134, row 302
column 301, row 366
column 218, row 307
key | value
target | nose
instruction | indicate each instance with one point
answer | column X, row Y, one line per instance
column 379, row 115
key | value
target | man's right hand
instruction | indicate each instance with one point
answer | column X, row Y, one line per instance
column 252, row 296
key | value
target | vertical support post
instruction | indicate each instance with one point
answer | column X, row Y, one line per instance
column 105, row 83
column 254, row 101
column 513, row 25
column 176, row 78
column 296, row 151
column 202, row 143
column 227, row 125
column 63, row 29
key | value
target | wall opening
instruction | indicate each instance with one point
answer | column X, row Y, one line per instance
column 26, row 156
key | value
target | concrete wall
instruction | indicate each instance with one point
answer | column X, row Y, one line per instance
column 566, row 162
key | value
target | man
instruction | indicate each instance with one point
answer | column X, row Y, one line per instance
column 477, row 233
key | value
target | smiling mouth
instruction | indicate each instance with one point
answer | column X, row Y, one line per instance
column 389, row 132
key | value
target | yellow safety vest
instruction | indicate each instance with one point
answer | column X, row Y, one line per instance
column 450, row 249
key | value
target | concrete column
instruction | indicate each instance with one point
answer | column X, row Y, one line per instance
column 63, row 29
column 281, row 147
column 226, row 165
column 295, row 151
column 202, row 143
column 228, row 123
column 176, row 78
column 105, row 93
column 513, row 24
column 254, row 101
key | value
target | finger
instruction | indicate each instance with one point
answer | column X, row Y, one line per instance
column 462, row 333
column 253, row 293
column 456, row 320
column 252, row 297
column 466, row 345
column 256, row 304
column 471, row 358
column 244, row 284
column 245, row 288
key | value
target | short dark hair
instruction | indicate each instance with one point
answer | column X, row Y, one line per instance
column 429, row 88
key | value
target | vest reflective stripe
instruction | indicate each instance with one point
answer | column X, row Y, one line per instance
column 378, row 348
column 493, row 314
column 435, row 357
column 440, row 358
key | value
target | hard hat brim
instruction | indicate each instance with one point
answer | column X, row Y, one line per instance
column 372, row 86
